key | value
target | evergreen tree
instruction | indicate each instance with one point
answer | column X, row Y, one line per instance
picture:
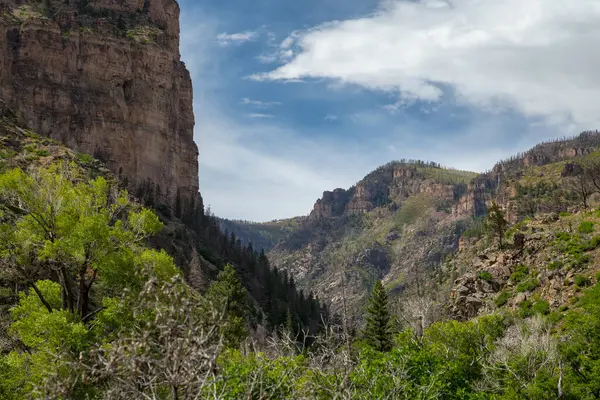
column 378, row 331
column 227, row 293
column 496, row 223
column 289, row 325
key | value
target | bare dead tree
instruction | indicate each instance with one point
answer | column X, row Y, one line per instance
column 171, row 348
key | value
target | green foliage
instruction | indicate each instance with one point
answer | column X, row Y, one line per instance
column 526, row 286
column 554, row 265
column 582, row 281
column 44, row 333
column 502, row 299
column 541, row 307
column 486, row 276
column 226, row 293
column 475, row 229
column 85, row 158
column 564, row 214
column 521, row 272
column 378, row 330
column 586, row 227
column 575, row 246
column 496, row 223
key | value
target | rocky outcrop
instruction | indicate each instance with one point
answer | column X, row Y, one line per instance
column 105, row 78
column 390, row 185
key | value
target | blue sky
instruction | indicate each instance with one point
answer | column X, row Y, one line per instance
column 293, row 98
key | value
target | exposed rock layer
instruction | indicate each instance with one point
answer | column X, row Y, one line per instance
column 106, row 79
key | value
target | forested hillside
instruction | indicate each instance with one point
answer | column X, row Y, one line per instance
column 78, row 252
column 262, row 236
column 404, row 222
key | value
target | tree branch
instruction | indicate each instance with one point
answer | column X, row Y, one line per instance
column 41, row 297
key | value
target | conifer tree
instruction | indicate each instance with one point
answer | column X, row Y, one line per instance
column 228, row 293
column 378, row 331
column 289, row 325
column 496, row 223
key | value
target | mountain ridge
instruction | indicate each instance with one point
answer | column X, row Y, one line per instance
column 407, row 216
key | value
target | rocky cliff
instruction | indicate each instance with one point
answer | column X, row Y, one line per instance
column 105, row 78
column 405, row 220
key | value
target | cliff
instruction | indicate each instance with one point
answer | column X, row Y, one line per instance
column 404, row 221
column 105, row 78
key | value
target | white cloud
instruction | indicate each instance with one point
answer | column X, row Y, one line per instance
column 259, row 115
column 331, row 118
column 536, row 56
column 259, row 169
column 225, row 39
column 259, row 103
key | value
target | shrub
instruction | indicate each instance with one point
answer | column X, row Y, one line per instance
column 563, row 236
column 582, row 281
column 85, row 158
column 502, row 299
column 586, row 227
column 486, row 276
column 525, row 309
column 564, row 214
column 555, row 265
column 521, row 272
column 42, row 153
column 527, row 286
column 541, row 307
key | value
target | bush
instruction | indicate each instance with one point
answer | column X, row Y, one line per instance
column 586, row 227
column 555, row 265
column 486, row 276
column 502, row 299
column 85, row 158
column 541, row 307
column 521, row 272
column 582, row 281
column 564, row 214
column 527, row 286
column 525, row 309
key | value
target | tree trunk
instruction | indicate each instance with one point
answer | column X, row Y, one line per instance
column 68, row 300
column 83, row 299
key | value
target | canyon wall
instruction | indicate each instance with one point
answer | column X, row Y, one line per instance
column 105, row 77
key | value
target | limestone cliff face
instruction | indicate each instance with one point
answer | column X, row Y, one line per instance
column 389, row 185
column 105, row 78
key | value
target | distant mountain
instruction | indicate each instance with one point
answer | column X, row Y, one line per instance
column 404, row 222
column 263, row 236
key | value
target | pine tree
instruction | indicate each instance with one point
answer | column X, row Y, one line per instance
column 228, row 293
column 496, row 223
column 378, row 331
column 289, row 325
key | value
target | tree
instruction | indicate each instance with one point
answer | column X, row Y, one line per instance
column 378, row 331
column 496, row 223
column 227, row 294
column 57, row 225
column 582, row 185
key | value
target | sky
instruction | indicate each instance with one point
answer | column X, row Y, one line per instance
column 293, row 98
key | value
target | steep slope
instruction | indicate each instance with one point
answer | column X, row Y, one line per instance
column 396, row 224
column 105, row 78
column 200, row 252
column 263, row 236
column 403, row 222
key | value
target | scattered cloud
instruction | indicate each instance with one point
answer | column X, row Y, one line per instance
column 331, row 118
column 226, row 39
column 259, row 103
column 530, row 56
column 259, row 115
